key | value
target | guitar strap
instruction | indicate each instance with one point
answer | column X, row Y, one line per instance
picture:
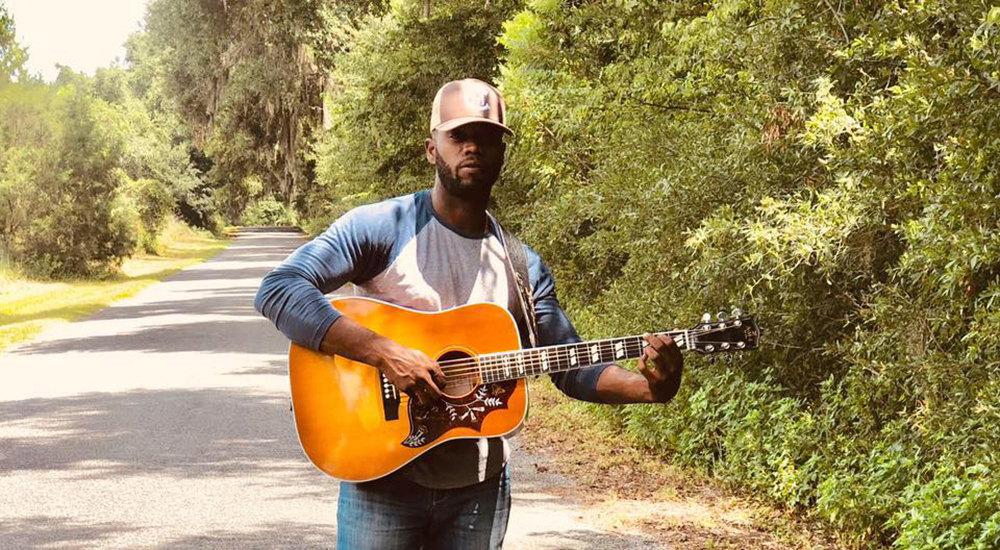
column 518, row 281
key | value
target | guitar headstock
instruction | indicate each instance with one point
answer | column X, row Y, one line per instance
column 725, row 334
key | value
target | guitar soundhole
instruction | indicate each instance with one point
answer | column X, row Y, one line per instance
column 460, row 369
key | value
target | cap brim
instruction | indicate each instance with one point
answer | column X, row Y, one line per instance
column 456, row 122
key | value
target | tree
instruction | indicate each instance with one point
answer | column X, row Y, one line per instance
column 248, row 77
column 82, row 227
column 12, row 55
column 380, row 104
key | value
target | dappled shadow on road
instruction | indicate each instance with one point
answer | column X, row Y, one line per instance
column 238, row 336
column 185, row 433
column 277, row 535
column 234, row 301
column 270, row 229
column 44, row 532
column 272, row 367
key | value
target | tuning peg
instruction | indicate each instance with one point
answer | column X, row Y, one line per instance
column 721, row 316
column 706, row 317
column 737, row 312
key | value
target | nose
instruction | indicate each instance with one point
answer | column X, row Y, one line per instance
column 471, row 146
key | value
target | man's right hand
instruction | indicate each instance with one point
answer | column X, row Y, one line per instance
column 411, row 371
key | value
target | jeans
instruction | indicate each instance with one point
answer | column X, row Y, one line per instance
column 395, row 514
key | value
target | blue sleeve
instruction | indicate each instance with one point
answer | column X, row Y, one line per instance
column 353, row 249
column 554, row 328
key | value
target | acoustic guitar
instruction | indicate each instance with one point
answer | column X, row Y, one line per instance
column 356, row 426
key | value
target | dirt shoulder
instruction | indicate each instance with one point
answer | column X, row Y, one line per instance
column 630, row 489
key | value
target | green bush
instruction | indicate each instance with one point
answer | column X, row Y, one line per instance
column 958, row 509
column 268, row 212
column 832, row 169
column 80, row 228
column 152, row 202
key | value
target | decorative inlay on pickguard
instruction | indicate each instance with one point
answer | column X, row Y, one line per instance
column 427, row 424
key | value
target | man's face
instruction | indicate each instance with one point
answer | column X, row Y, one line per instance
column 468, row 158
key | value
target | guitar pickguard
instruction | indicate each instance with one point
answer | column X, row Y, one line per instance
column 427, row 424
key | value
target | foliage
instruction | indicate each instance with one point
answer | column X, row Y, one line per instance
column 153, row 204
column 830, row 168
column 28, row 305
column 80, row 229
column 379, row 116
column 86, row 173
column 12, row 55
column 247, row 76
column 268, row 212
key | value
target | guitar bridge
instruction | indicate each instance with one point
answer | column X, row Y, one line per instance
column 390, row 398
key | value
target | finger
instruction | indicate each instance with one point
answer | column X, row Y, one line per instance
column 670, row 344
column 644, row 368
column 437, row 375
column 653, row 341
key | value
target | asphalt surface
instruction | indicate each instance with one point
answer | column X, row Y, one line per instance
column 163, row 422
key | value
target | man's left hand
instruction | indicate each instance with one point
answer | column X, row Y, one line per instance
column 662, row 364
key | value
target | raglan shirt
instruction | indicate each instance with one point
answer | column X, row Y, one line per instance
column 400, row 251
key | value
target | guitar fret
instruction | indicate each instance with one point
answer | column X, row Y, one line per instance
column 537, row 361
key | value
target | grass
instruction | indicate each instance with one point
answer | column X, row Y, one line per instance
column 631, row 487
column 29, row 306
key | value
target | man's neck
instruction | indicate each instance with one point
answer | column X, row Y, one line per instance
column 466, row 215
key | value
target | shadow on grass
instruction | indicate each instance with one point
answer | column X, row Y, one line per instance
column 224, row 285
column 65, row 313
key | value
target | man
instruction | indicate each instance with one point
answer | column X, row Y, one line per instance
column 433, row 251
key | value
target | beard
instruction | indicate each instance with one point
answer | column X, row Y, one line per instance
column 478, row 188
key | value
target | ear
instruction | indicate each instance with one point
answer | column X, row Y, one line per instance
column 430, row 147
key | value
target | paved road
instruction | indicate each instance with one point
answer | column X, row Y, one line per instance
column 163, row 422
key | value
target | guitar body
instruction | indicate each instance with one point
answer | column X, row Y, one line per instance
column 355, row 426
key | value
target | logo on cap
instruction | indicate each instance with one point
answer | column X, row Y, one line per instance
column 478, row 100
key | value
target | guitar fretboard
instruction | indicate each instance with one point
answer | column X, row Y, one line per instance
column 511, row 365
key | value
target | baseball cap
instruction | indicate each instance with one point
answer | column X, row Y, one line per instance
column 465, row 101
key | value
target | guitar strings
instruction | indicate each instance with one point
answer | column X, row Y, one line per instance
column 530, row 364
column 555, row 353
column 481, row 370
column 673, row 333
column 470, row 366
